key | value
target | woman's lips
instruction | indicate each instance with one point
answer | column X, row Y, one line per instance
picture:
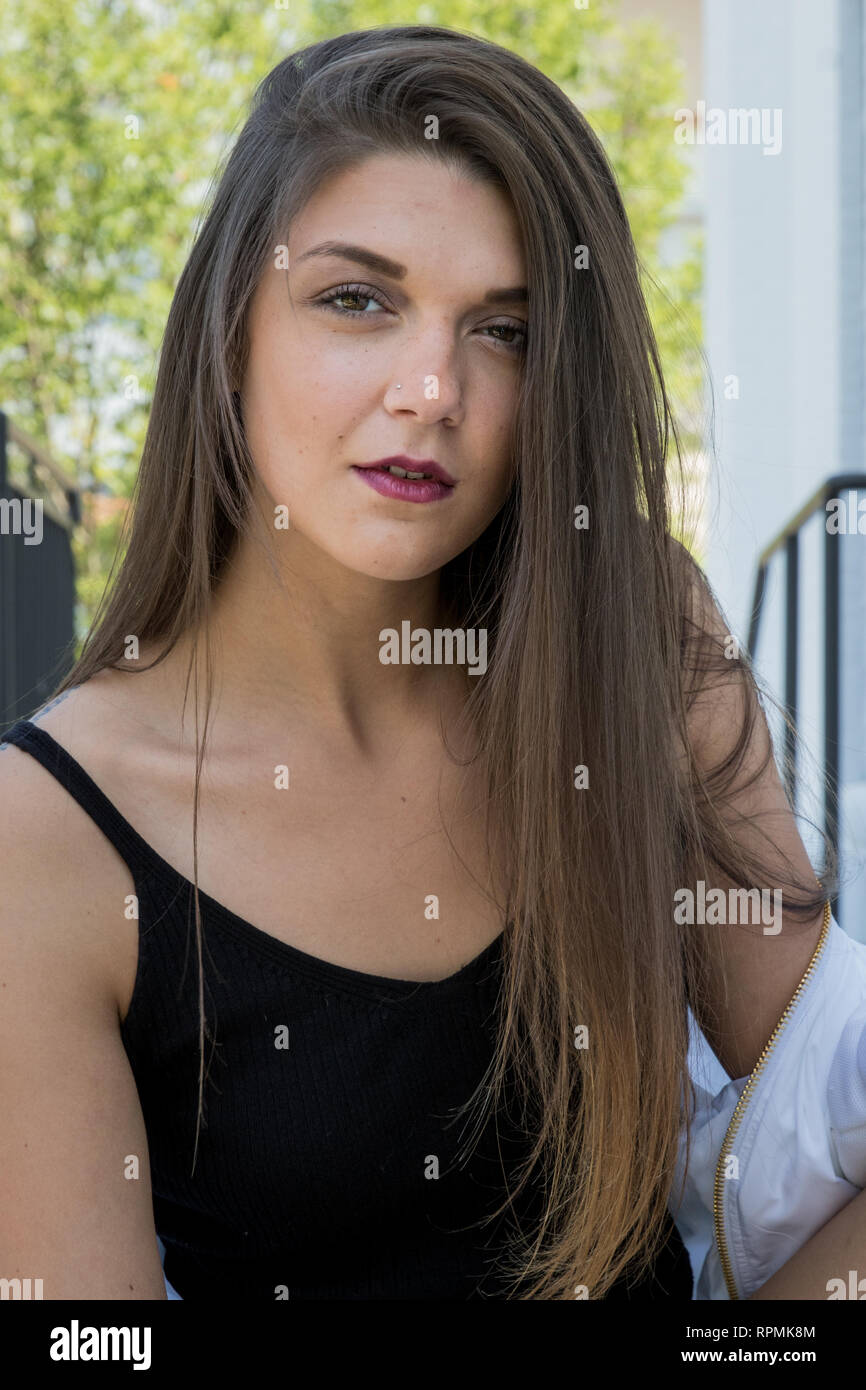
column 402, row 489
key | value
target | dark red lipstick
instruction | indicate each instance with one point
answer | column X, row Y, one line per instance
column 435, row 483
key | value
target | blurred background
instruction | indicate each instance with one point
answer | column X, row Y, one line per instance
column 736, row 131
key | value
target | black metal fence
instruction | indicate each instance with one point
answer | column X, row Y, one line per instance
column 788, row 539
column 38, row 509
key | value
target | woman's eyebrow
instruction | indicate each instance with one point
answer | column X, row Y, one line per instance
column 383, row 265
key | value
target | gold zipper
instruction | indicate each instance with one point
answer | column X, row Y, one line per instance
column 740, row 1107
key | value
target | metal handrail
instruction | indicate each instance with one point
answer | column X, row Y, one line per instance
column 789, row 538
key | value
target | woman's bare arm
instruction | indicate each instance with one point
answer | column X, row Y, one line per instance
column 752, row 975
column 72, row 1213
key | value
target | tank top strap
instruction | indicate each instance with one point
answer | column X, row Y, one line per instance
column 26, row 735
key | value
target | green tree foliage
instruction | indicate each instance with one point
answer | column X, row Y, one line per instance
column 113, row 117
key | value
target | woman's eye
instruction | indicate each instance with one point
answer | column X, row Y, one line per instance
column 516, row 345
column 350, row 292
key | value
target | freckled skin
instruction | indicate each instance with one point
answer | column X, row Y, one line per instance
column 320, row 390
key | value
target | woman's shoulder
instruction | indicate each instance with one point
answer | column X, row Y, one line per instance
column 117, row 714
column 64, row 883
column 27, row 790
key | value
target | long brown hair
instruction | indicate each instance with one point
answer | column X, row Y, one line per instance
column 597, row 647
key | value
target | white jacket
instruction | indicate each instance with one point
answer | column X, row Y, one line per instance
column 791, row 1137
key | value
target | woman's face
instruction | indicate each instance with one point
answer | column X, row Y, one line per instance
column 333, row 336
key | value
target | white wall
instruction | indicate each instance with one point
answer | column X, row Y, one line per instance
column 772, row 267
column 784, row 312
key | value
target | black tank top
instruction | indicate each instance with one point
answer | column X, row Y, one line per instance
column 331, row 1164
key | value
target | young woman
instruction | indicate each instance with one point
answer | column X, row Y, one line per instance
column 358, row 974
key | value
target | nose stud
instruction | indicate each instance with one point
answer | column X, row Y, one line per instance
column 399, row 387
